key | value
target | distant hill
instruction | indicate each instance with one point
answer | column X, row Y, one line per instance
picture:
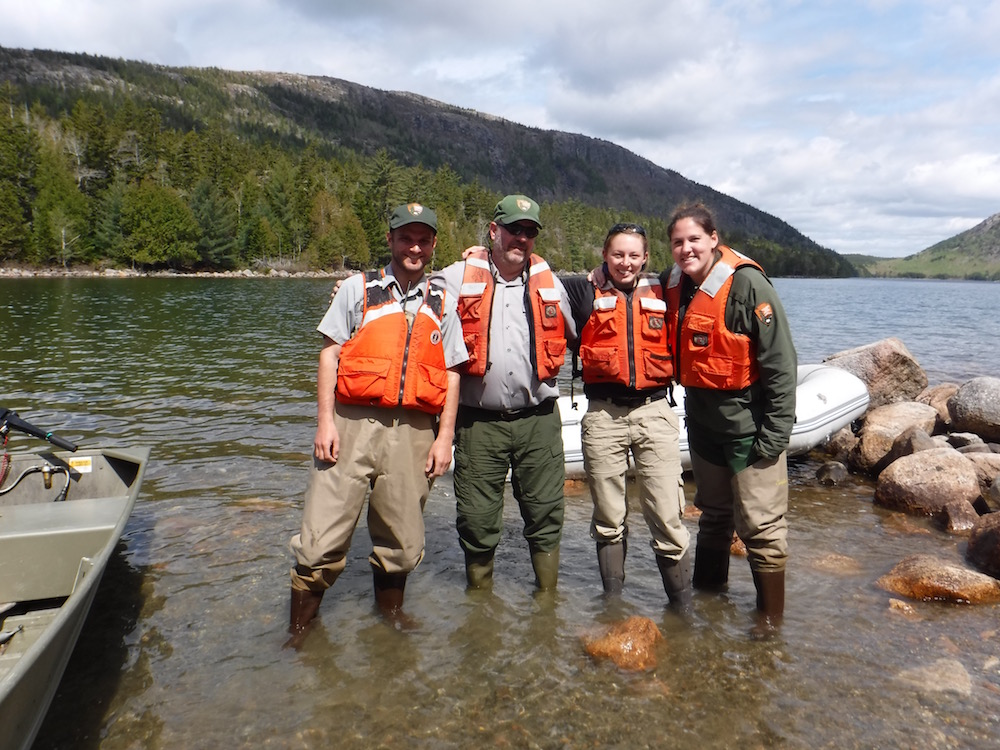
column 344, row 121
column 974, row 254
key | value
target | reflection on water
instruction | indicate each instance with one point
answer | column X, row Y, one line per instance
column 183, row 648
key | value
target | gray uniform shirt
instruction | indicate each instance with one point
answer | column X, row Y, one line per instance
column 510, row 381
column 345, row 313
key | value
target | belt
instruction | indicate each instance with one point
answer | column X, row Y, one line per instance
column 631, row 403
column 508, row 415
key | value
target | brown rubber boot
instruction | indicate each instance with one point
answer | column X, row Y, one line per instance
column 303, row 609
column 676, row 575
column 611, row 561
column 479, row 570
column 770, row 603
column 389, row 589
column 546, row 566
column 711, row 568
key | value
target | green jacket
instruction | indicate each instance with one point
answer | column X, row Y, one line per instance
column 763, row 414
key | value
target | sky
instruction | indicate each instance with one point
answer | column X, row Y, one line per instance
column 870, row 126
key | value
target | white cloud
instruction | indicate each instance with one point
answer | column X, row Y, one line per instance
column 869, row 125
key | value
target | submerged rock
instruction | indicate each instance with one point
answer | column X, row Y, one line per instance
column 630, row 644
column 928, row 578
column 838, row 564
column 943, row 676
column 832, row 473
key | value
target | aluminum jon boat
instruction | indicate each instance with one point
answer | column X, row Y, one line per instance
column 827, row 398
column 61, row 516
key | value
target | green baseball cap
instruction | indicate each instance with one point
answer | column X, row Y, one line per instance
column 516, row 208
column 413, row 213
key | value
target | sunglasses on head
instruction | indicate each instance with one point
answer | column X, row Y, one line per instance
column 528, row 230
column 627, row 229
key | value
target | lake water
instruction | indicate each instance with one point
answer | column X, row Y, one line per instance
column 183, row 648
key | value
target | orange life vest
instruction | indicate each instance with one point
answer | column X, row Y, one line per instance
column 388, row 362
column 628, row 343
column 546, row 324
column 708, row 354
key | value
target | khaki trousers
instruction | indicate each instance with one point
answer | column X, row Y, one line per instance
column 651, row 434
column 753, row 502
column 383, row 453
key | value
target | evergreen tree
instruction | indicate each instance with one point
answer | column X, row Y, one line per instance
column 60, row 211
column 18, row 167
column 158, row 227
column 107, row 240
column 379, row 194
column 217, row 244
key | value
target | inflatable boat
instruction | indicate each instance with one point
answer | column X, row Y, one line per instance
column 827, row 398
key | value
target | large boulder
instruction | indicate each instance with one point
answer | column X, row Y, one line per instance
column 881, row 428
column 887, row 368
column 984, row 544
column 975, row 407
column 937, row 396
column 928, row 578
column 924, row 483
column 630, row 644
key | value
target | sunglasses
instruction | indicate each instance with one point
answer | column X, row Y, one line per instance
column 627, row 229
column 530, row 230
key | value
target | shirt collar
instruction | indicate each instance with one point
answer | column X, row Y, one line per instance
column 389, row 280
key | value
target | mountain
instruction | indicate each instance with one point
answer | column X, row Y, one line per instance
column 348, row 122
column 973, row 254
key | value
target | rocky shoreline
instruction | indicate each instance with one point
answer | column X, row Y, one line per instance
column 933, row 452
column 131, row 273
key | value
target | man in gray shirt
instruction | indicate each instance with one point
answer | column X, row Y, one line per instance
column 515, row 319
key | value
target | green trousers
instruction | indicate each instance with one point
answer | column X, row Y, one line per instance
column 531, row 449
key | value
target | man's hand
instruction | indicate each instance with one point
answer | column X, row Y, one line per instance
column 326, row 444
column 470, row 250
column 597, row 277
column 439, row 458
column 336, row 288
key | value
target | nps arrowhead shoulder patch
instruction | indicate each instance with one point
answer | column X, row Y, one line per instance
column 764, row 313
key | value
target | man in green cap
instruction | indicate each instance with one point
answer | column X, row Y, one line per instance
column 387, row 398
column 515, row 318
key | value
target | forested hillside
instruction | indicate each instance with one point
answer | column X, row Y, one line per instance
column 117, row 163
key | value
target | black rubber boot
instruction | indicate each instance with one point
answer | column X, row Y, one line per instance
column 770, row 603
column 304, row 606
column 479, row 570
column 611, row 561
column 389, row 589
column 711, row 568
column 546, row 566
column 676, row 575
